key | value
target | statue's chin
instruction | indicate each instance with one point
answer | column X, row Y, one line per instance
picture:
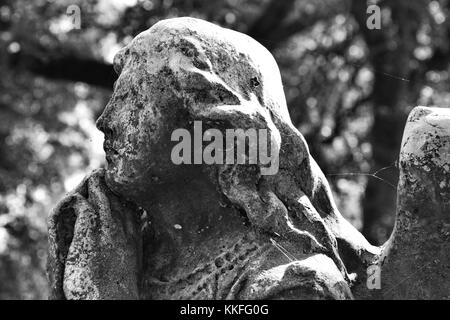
column 122, row 188
column 111, row 182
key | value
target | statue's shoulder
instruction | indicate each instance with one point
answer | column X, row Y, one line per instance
column 91, row 208
column 274, row 276
column 61, row 224
column 63, row 214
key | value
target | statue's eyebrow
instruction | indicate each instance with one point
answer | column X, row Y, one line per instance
column 118, row 60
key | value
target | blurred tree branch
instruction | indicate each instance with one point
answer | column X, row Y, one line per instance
column 270, row 29
column 67, row 67
column 268, row 23
column 391, row 57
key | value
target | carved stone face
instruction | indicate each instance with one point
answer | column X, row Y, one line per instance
column 168, row 75
column 137, row 123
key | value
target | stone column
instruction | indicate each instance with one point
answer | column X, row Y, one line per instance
column 415, row 261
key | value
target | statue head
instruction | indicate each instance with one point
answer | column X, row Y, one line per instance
column 184, row 70
column 179, row 71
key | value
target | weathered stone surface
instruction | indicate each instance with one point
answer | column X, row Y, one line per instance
column 416, row 260
column 95, row 244
column 146, row 228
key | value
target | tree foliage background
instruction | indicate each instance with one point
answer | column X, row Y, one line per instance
column 349, row 90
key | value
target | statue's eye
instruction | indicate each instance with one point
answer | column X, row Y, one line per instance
column 122, row 96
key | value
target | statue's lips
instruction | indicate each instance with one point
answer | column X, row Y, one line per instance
column 111, row 153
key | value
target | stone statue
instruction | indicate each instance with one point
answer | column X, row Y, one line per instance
column 146, row 228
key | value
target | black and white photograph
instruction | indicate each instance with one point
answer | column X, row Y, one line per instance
column 203, row 151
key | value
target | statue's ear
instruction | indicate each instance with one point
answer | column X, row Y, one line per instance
column 245, row 116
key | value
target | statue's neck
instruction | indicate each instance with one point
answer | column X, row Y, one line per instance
column 192, row 215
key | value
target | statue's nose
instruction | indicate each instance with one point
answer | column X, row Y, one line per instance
column 100, row 123
column 105, row 125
